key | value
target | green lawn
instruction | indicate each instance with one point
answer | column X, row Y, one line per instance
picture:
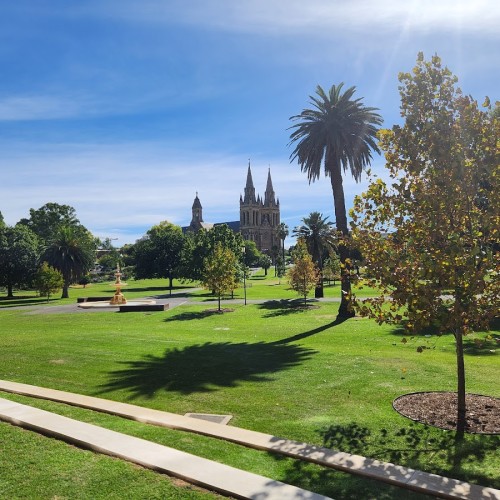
column 279, row 370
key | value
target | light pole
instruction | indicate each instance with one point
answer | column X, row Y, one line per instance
column 243, row 251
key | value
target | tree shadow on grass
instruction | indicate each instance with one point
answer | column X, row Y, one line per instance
column 189, row 316
column 23, row 301
column 210, row 366
column 284, row 307
column 416, row 446
column 155, row 288
column 205, row 367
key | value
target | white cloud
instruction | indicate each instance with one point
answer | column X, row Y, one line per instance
column 121, row 190
column 318, row 17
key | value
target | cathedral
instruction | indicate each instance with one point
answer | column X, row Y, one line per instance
column 259, row 217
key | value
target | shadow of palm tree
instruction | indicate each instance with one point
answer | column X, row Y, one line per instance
column 284, row 307
column 192, row 315
column 205, row 367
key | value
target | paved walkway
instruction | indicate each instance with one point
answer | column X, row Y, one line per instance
column 430, row 484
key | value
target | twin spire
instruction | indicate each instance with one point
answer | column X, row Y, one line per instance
column 249, row 196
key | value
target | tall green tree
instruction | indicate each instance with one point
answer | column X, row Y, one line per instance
column 282, row 232
column 428, row 237
column 158, row 255
column 2, row 221
column 72, row 252
column 320, row 238
column 46, row 221
column 251, row 254
column 338, row 133
column 220, row 271
column 18, row 257
column 265, row 262
column 200, row 245
column 331, row 268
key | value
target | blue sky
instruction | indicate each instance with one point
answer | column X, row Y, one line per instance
column 125, row 109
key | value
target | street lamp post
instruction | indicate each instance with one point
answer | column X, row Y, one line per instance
column 243, row 251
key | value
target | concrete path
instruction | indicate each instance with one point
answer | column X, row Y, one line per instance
column 206, row 473
column 404, row 477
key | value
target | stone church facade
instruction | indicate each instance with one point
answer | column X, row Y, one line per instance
column 259, row 217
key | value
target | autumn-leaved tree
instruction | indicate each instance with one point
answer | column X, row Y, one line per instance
column 429, row 236
column 304, row 275
column 320, row 238
column 220, row 271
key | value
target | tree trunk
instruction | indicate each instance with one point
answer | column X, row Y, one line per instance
column 318, row 291
column 10, row 292
column 218, row 297
column 461, row 408
column 65, row 290
column 170, row 284
column 345, row 309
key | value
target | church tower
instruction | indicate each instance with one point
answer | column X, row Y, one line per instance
column 197, row 211
column 259, row 218
column 197, row 218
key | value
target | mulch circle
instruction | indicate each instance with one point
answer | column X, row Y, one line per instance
column 439, row 409
column 216, row 311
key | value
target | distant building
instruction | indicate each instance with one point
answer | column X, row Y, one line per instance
column 259, row 218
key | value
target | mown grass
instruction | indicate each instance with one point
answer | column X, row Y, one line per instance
column 290, row 372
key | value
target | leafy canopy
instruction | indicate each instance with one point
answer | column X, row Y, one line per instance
column 18, row 256
column 303, row 276
column 48, row 280
column 430, row 238
column 220, row 271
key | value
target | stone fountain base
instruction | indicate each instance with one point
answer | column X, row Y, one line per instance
column 106, row 304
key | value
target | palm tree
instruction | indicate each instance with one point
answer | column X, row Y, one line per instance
column 320, row 238
column 282, row 232
column 340, row 133
column 72, row 252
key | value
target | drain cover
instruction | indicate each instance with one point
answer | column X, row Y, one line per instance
column 217, row 419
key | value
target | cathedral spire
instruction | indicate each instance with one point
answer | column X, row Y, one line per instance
column 269, row 195
column 249, row 188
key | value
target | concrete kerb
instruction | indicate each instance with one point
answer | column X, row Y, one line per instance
column 407, row 478
column 191, row 468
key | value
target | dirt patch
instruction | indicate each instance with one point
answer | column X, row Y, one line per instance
column 439, row 409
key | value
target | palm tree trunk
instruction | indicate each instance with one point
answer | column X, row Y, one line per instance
column 65, row 290
column 345, row 309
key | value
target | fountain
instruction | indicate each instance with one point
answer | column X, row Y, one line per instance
column 118, row 298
